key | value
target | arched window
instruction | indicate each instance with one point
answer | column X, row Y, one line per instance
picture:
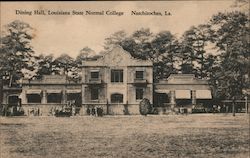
column 116, row 98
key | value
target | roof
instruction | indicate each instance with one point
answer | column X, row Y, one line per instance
column 182, row 82
column 48, row 79
column 118, row 57
column 183, row 79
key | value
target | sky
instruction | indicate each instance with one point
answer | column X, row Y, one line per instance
column 60, row 34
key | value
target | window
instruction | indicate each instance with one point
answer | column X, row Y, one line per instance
column 116, row 98
column 34, row 98
column 54, row 98
column 116, row 75
column 94, row 94
column 139, row 75
column 95, row 75
column 13, row 100
column 139, row 93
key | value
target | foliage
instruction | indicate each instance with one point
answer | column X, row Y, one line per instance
column 145, row 107
column 85, row 54
column 45, row 65
column 114, row 39
column 231, row 32
column 16, row 51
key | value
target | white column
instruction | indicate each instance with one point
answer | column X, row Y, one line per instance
column 64, row 97
column 83, row 94
column 44, row 97
column 172, row 98
column 83, row 109
column 246, row 104
column 24, row 97
column 193, row 97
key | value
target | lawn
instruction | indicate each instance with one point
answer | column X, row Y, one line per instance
column 197, row 135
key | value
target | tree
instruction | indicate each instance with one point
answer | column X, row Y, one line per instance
column 242, row 4
column 84, row 54
column 64, row 63
column 16, row 51
column 193, row 51
column 165, row 46
column 231, row 32
column 45, row 67
column 115, row 39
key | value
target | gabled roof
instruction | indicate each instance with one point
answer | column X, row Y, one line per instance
column 118, row 57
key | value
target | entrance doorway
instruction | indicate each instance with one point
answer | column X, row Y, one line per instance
column 117, row 98
column 13, row 100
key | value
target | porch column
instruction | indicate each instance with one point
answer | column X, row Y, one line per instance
column 64, row 96
column 24, row 97
column 84, row 108
column 193, row 94
column 44, row 97
column 246, row 105
column 172, row 98
column 83, row 94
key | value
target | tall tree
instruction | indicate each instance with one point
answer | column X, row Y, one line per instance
column 231, row 32
column 115, row 39
column 64, row 63
column 193, row 52
column 16, row 51
column 84, row 54
column 165, row 46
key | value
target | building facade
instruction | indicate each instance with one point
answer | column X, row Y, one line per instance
column 181, row 90
column 50, row 92
column 117, row 82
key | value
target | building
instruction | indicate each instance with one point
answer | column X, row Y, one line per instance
column 117, row 82
column 10, row 95
column 49, row 92
column 181, row 90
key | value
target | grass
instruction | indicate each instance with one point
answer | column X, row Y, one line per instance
column 207, row 135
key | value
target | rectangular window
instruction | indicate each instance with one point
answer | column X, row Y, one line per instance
column 94, row 75
column 116, row 75
column 139, row 75
column 33, row 98
column 94, row 94
column 54, row 98
column 139, row 93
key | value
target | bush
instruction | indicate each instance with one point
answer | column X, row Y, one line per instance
column 145, row 107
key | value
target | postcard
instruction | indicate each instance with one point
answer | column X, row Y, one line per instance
column 116, row 79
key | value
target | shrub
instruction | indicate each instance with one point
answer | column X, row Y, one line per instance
column 145, row 107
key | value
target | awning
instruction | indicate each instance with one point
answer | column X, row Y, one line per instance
column 182, row 94
column 162, row 91
column 54, row 91
column 73, row 91
column 33, row 91
column 203, row 94
column 94, row 70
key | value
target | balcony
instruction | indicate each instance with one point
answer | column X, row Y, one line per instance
column 140, row 81
column 95, row 81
